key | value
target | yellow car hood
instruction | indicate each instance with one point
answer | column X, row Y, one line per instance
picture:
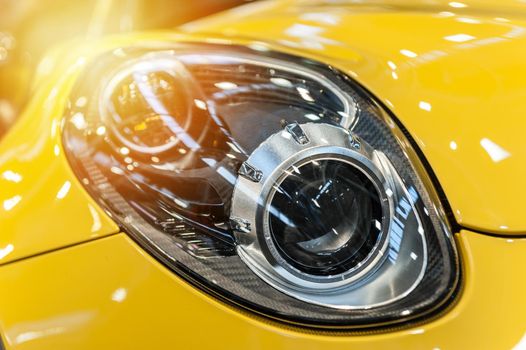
column 454, row 73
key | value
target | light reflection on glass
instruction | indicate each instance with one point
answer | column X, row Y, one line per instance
column 305, row 94
column 116, row 170
column 79, row 121
column 225, row 85
column 281, row 82
column 312, row 117
column 200, row 104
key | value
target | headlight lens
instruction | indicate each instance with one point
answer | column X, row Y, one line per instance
column 333, row 212
column 272, row 181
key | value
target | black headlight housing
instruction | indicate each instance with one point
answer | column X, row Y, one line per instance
column 199, row 151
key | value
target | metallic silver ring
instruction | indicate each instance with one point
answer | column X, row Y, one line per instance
column 255, row 187
column 268, row 166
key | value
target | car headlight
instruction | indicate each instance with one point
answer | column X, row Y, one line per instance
column 272, row 181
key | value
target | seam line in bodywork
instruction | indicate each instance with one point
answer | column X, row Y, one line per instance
column 57, row 249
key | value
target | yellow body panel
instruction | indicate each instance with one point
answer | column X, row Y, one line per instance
column 42, row 204
column 109, row 294
column 450, row 95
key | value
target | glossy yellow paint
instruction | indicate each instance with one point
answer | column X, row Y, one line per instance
column 42, row 204
column 453, row 75
column 109, row 294
column 452, row 72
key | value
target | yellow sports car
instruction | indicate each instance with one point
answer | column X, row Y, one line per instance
column 295, row 174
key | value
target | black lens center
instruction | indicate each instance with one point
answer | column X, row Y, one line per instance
column 325, row 217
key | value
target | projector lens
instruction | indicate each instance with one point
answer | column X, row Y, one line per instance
column 332, row 216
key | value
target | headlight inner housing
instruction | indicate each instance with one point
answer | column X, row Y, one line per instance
column 197, row 151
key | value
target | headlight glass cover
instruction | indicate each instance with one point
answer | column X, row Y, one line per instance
column 274, row 182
